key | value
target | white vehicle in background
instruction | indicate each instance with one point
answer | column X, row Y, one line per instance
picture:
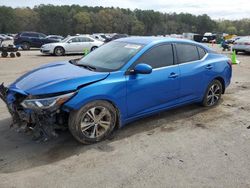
column 71, row 45
column 5, row 37
column 100, row 36
column 242, row 45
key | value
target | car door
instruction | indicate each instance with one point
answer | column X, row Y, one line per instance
column 193, row 70
column 85, row 43
column 149, row 92
column 35, row 41
column 73, row 45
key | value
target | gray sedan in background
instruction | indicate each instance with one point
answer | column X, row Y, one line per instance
column 242, row 45
column 71, row 45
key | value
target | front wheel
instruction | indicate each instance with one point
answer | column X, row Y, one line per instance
column 59, row 51
column 213, row 94
column 93, row 122
column 25, row 46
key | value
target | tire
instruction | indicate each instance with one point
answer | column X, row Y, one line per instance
column 213, row 94
column 12, row 55
column 18, row 54
column 25, row 46
column 93, row 48
column 4, row 54
column 236, row 52
column 59, row 51
column 86, row 127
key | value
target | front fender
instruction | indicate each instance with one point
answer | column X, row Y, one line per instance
column 110, row 90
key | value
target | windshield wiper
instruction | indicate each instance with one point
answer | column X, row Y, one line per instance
column 74, row 61
column 89, row 67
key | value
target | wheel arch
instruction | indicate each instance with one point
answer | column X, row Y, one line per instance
column 222, row 81
column 58, row 47
column 118, row 111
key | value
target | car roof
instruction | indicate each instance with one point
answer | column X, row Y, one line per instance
column 154, row 40
column 149, row 40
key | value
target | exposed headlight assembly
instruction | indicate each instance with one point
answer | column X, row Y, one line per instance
column 46, row 103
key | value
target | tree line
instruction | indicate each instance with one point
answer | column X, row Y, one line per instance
column 68, row 20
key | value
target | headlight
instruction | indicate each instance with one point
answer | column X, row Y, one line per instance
column 46, row 103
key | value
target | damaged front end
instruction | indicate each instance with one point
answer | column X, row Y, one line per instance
column 41, row 115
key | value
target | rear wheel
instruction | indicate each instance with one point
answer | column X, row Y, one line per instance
column 25, row 46
column 213, row 94
column 93, row 122
column 94, row 48
column 59, row 51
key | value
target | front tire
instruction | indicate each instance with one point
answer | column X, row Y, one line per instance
column 59, row 51
column 93, row 122
column 25, row 46
column 213, row 94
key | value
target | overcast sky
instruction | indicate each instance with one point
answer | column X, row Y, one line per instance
column 225, row 9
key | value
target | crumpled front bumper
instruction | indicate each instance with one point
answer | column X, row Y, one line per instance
column 42, row 123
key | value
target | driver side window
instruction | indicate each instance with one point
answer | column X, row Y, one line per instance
column 157, row 57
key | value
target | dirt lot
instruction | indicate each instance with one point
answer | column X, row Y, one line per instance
column 185, row 147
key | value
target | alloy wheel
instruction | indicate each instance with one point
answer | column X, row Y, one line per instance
column 59, row 51
column 96, row 122
column 213, row 95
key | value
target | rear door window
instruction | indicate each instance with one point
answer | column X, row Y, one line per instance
column 187, row 53
column 202, row 52
column 159, row 56
column 85, row 39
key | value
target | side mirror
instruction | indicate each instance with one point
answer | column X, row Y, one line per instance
column 142, row 69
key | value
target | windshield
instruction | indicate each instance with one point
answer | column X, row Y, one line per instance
column 66, row 39
column 111, row 56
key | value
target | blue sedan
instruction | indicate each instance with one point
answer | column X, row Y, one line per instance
column 118, row 83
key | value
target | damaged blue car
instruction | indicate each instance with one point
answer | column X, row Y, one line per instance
column 120, row 82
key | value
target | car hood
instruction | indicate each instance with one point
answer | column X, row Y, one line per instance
column 55, row 78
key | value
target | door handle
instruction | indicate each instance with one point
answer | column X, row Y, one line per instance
column 209, row 67
column 173, row 75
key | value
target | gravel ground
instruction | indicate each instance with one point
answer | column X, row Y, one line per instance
column 190, row 146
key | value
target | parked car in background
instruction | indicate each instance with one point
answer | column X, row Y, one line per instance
column 27, row 40
column 242, row 45
column 121, row 81
column 99, row 36
column 6, row 37
column 55, row 37
column 116, row 36
column 71, row 45
column 233, row 40
column 2, row 38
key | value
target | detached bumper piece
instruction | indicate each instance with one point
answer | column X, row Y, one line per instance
column 41, row 123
